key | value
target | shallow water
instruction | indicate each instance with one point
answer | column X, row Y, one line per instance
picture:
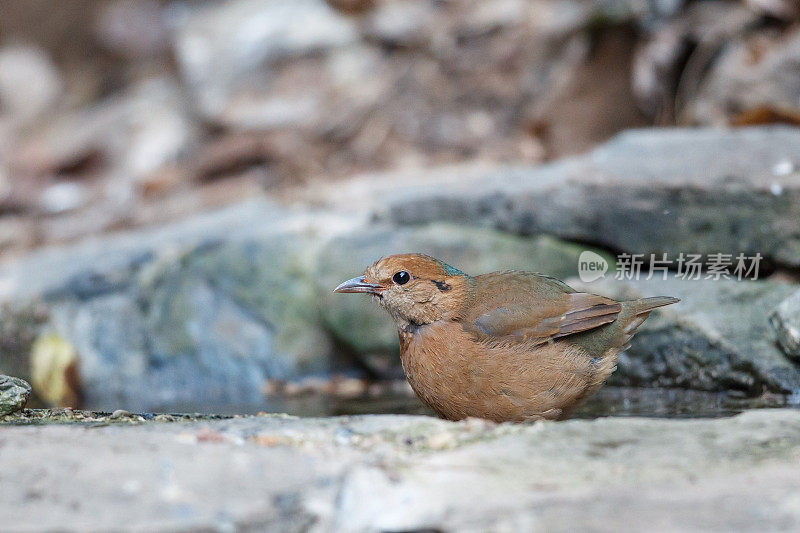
column 608, row 401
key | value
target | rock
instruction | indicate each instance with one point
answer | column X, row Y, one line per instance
column 785, row 320
column 132, row 142
column 401, row 23
column 718, row 63
column 5, row 186
column 14, row 394
column 65, row 196
column 649, row 191
column 103, row 265
column 760, row 72
column 670, row 62
column 716, row 338
column 136, row 30
column 200, row 313
column 85, row 168
column 568, row 120
column 221, row 76
column 365, row 329
column 19, row 327
column 30, row 85
column 373, row 84
column 401, row 473
column 780, row 9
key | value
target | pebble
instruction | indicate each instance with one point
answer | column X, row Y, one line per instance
column 440, row 441
column 63, row 197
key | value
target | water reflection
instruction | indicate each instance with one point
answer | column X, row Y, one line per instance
column 608, row 401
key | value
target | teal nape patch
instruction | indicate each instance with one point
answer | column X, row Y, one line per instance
column 451, row 271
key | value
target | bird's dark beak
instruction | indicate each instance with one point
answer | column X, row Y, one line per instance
column 358, row 285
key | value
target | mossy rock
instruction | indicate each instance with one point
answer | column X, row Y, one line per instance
column 14, row 394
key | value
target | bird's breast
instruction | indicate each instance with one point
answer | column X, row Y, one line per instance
column 458, row 376
column 446, row 368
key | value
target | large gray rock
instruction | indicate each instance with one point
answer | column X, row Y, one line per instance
column 646, row 191
column 716, row 338
column 785, row 320
column 14, row 394
column 200, row 313
column 397, row 473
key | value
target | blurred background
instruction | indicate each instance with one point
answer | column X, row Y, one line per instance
column 183, row 183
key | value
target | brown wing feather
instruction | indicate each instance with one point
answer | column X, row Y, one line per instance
column 588, row 311
column 523, row 307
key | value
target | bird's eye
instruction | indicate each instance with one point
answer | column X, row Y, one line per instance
column 401, row 278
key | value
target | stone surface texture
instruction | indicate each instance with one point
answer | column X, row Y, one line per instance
column 14, row 394
column 399, row 473
column 717, row 338
column 654, row 191
column 785, row 320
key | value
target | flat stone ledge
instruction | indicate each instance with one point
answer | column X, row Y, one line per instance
column 370, row 473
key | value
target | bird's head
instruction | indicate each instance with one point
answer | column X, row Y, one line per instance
column 416, row 289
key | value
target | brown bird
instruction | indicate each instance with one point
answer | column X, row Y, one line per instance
column 505, row 346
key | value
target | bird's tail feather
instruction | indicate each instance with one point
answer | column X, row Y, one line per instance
column 634, row 313
column 644, row 305
column 608, row 340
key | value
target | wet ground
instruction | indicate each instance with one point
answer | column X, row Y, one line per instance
column 609, row 401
